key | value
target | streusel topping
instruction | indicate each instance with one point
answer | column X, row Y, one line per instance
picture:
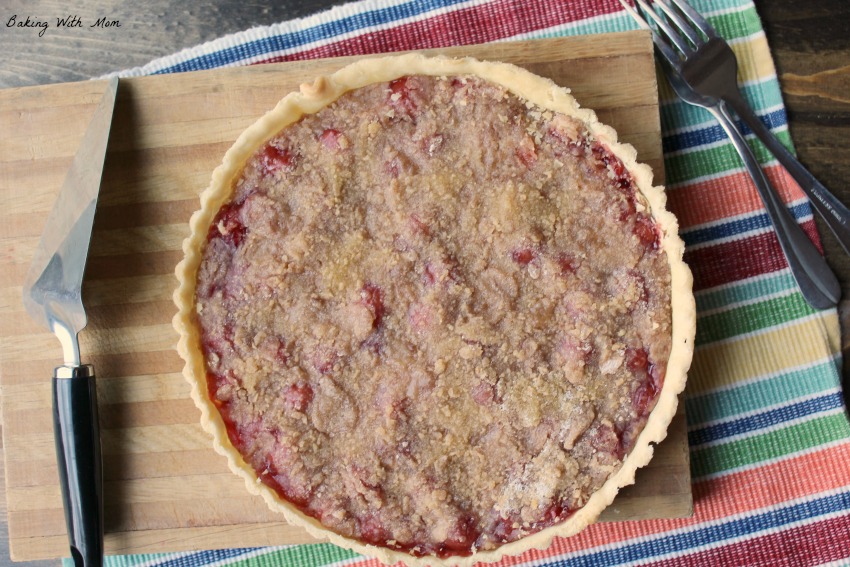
column 434, row 317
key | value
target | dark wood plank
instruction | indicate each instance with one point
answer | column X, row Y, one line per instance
column 811, row 50
column 149, row 29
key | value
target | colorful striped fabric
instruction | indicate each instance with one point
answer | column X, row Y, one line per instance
column 768, row 431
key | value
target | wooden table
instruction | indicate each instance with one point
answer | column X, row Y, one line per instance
column 810, row 45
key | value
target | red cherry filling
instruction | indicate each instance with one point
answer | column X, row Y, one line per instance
column 608, row 440
column 637, row 359
column 606, row 159
column 295, row 492
column 626, row 209
column 228, row 226
column 330, row 139
column 393, row 167
column 442, row 270
column 373, row 298
column 461, row 538
column 567, row 264
column 484, row 393
column 400, row 96
column 297, row 396
column 512, row 528
column 640, row 282
column 418, row 226
column 556, row 512
column 421, row 317
column 282, row 354
column 646, row 230
column 526, row 152
column 372, row 530
column 523, row 256
column 274, row 159
column 429, row 274
column 324, row 360
column 505, row 529
column 650, row 376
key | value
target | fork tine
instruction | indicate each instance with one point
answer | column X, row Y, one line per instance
column 663, row 47
column 661, row 26
column 680, row 22
column 641, row 21
column 695, row 17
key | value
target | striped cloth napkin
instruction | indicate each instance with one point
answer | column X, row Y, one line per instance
column 768, row 432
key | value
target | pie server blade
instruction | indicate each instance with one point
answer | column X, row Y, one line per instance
column 53, row 297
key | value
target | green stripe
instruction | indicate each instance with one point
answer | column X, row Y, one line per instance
column 298, row 555
column 771, row 445
column 311, row 555
column 764, row 393
column 622, row 22
column 732, row 26
column 750, row 318
column 746, row 291
column 131, row 560
column 736, row 25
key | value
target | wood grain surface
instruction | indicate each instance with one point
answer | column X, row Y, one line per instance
column 165, row 489
column 811, row 49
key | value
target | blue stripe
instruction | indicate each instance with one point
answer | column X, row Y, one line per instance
column 714, row 133
column 693, row 540
column 323, row 31
column 767, row 391
column 765, row 419
column 737, row 227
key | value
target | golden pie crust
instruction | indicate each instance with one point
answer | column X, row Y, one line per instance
column 538, row 91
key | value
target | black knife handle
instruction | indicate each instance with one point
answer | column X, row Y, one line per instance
column 77, row 433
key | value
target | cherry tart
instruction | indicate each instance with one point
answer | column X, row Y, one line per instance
column 434, row 311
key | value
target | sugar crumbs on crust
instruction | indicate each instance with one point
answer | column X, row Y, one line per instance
column 435, row 317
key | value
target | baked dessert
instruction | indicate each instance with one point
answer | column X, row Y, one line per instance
column 434, row 311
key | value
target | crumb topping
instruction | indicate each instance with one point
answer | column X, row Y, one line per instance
column 434, row 317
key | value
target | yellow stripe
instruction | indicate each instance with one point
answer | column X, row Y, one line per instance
column 754, row 59
column 725, row 364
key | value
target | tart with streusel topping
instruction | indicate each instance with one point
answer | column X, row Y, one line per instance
column 434, row 311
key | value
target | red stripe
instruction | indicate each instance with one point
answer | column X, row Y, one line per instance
column 727, row 196
column 465, row 26
column 740, row 259
column 812, row 544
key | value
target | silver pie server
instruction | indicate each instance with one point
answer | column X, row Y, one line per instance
column 52, row 296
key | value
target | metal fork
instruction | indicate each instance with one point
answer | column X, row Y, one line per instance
column 703, row 72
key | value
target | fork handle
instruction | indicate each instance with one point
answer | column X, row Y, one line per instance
column 834, row 213
column 818, row 284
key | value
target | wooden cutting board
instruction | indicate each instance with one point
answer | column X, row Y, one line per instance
column 165, row 489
